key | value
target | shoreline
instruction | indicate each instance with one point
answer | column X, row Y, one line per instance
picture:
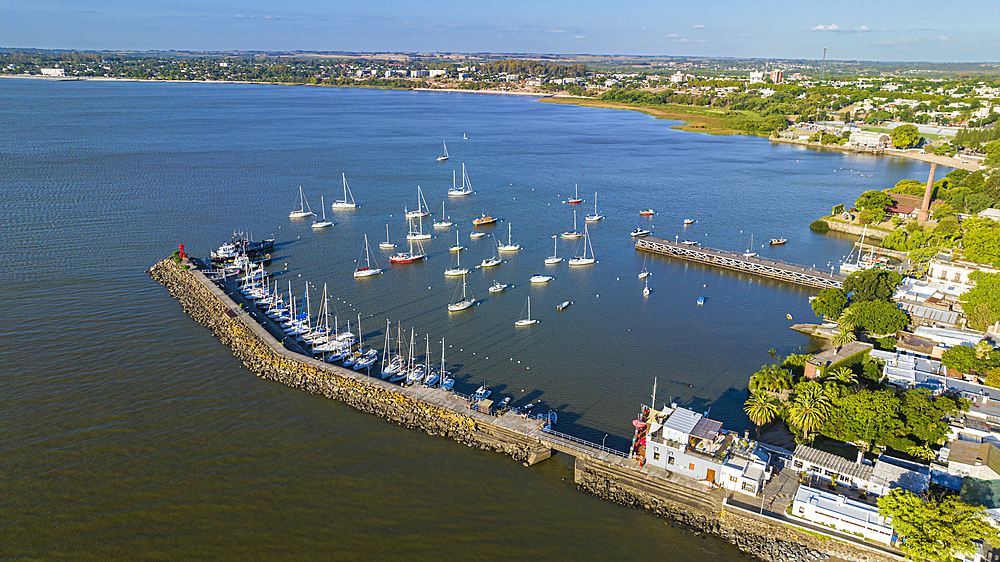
column 946, row 161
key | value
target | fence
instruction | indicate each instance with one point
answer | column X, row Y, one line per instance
column 562, row 436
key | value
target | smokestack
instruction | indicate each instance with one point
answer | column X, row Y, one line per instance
column 925, row 207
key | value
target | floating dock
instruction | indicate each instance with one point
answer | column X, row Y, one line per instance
column 764, row 267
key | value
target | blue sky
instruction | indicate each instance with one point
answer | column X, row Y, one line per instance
column 916, row 30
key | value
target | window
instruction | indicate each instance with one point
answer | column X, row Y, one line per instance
column 828, row 472
column 656, row 455
column 732, row 479
column 798, row 465
column 750, row 487
column 958, row 276
column 691, row 466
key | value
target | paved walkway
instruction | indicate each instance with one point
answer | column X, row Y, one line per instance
column 780, row 491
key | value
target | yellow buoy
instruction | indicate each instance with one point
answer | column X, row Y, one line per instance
column 789, row 316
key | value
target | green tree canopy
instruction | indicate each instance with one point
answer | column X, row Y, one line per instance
column 761, row 408
column 936, row 530
column 876, row 202
column 810, row 408
column 829, row 303
column 878, row 317
column 905, row 136
column 872, row 284
column 982, row 241
column 924, row 415
column 868, row 416
column 982, row 302
column 771, row 378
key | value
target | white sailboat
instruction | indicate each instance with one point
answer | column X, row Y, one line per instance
column 367, row 270
column 526, row 321
column 348, row 201
column 445, row 221
column 573, row 233
column 554, row 259
column 647, row 290
column 387, row 245
column 509, row 246
column 444, row 156
column 466, row 188
column 458, row 269
column 596, row 216
column 463, row 304
column 422, row 210
column 323, row 223
column 749, row 253
column 419, row 233
column 304, row 210
column 447, row 382
column 582, row 259
column 458, row 247
column 644, row 273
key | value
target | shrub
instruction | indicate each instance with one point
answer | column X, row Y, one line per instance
column 819, row 226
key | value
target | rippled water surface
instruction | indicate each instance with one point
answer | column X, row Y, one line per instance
column 129, row 430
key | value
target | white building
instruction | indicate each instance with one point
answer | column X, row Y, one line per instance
column 678, row 78
column 53, row 72
column 943, row 268
column 968, row 458
column 746, row 468
column 845, row 514
column 437, row 72
column 870, row 139
column 686, row 442
column 756, row 77
column 419, row 74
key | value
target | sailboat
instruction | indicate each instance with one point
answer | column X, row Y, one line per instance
column 596, row 216
column 509, row 246
column 386, row 245
column 348, row 201
column 647, row 290
column 458, row 269
column 447, row 382
column 444, row 156
column 576, row 197
column 422, row 210
column 644, row 273
column 466, row 188
column 408, row 257
column 573, row 233
column 583, row 259
column 458, row 247
column 419, row 234
column 323, row 223
column 749, row 253
column 433, row 373
column 554, row 259
column 463, row 304
column 390, row 364
column 526, row 321
column 367, row 270
column 304, row 210
column 444, row 222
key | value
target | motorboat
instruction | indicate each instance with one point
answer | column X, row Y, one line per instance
column 538, row 278
column 476, row 234
column 690, row 243
column 482, row 393
column 497, row 287
column 647, row 213
column 564, row 305
column 778, row 241
column 484, row 220
column 639, row 232
column 490, row 262
column 688, row 221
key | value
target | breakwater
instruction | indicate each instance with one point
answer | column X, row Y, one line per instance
column 436, row 412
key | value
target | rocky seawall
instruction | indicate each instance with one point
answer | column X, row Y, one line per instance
column 309, row 375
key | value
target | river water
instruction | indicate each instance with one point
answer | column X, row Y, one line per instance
column 128, row 430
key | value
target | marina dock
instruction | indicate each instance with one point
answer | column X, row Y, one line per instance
column 756, row 265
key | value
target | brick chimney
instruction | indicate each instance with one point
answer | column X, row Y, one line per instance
column 925, row 207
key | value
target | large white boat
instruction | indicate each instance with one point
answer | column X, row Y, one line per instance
column 539, row 278
column 509, row 246
column 582, row 259
column 304, row 210
column 367, row 270
column 386, row 245
column 444, row 221
column 597, row 216
column 466, row 302
column 322, row 223
column 419, row 233
column 573, row 233
column 466, row 188
column 554, row 259
column 458, row 247
column 444, row 156
column 497, row 287
column 490, row 262
column 348, row 201
column 422, row 210
column 526, row 321
column 458, row 269
column 408, row 257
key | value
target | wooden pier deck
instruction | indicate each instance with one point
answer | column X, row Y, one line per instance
column 765, row 267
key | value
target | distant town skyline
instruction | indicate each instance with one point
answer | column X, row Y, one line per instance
column 893, row 30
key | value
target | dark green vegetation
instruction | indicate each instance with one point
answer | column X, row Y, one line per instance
column 936, row 528
column 819, row 226
column 982, row 360
column 868, row 311
column 982, row 302
column 905, row 136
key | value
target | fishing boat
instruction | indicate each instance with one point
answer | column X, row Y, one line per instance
column 458, row 269
column 466, row 188
column 539, row 278
column 443, row 222
column 554, row 259
column 422, row 210
column 463, row 304
column 564, row 305
column 408, row 257
column 647, row 213
column 573, row 233
column 419, row 233
column 304, row 210
column 639, row 232
column 386, row 245
column 444, row 156
column 458, row 247
column 645, row 272
column 576, row 195
column 688, row 221
column 701, row 301
column 509, row 246
column 749, row 253
column 490, row 262
column 596, row 216
column 497, row 287
column 646, row 290
column 475, row 234
column 322, row 223
column 526, row 321
column 484, row 220
column 482, row 393
column 348, row 201
column 367, row 270
column 778, row 241
column 582, row 259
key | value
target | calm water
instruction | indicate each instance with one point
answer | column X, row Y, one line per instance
column 128, row 429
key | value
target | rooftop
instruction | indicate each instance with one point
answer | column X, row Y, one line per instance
column 897, row 473
column 682, row 420
column 835, row 355
column 839, row 465
column 851, row 510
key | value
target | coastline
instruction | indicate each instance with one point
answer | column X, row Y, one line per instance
column 693, row 122
column 912, row 155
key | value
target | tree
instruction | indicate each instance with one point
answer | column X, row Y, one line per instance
column 843, row 337
column 761, row 408
column 982, row 302
column 810, row 408
column 924, row 415
column 962, row 358
column 878, row 317
column 936, row 530
column 876, row 202
column 905, row 136
column 829, row 303
column 869, row 417
column 992, row 186
column 843, row 375
column 872, row 284
column 771, row 378
column 982, row 241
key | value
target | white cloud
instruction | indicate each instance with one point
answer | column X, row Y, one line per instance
column 863, row 28
column 673, row 35
column 831, row 27
column 578, row 36
column 698, row 26
column 554, row 31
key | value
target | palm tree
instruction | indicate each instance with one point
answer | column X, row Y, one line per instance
column 810, row 408
column 843, row 375
column 843, row 337
column 760, row 408
column 921, row 452
column 771, row 378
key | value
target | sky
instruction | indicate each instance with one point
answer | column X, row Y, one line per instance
column 885, row 30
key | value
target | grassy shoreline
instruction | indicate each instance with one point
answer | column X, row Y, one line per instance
column 696, row 118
